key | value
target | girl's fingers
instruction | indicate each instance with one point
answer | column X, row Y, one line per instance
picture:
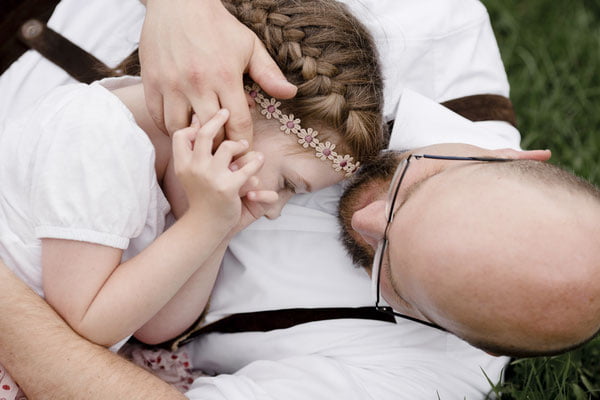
column 207, row 133
column 182, row 143
column 228, row 150
column 241, row 161
column 263, row 196
column 195, row 121
column 245, row 173
column 251, row 184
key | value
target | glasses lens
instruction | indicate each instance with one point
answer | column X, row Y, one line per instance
column 375, row 272
column 379, row 253
column 393, row 189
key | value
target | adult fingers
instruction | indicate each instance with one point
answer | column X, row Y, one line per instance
column 205, row 105
column 265, row 72
column 154, row 102
column 207, row 133
column 176, row 111
column 538, row 155
column 239, row 126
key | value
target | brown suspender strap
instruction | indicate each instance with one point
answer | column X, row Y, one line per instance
column 480, row 107
column 23, row 27
column 80, row 64
column 484, row 107
column 264, row 321
column 13, row 14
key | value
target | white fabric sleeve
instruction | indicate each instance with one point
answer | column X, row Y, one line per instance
column 317, row 377
column 94, row 169
column 341, row 359
column 468, row 61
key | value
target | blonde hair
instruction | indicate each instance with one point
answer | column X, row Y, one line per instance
column 331, row 58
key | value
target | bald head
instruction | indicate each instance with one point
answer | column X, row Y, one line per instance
column 504, row 255
column 508, row 256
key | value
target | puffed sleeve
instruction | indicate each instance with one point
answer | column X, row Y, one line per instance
column 94, row 170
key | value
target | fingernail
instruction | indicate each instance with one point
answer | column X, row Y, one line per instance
column 195, row 120
column 251, row 195
column 289, row 83
column 233, row 167
column 244, row 142
column 260, row 155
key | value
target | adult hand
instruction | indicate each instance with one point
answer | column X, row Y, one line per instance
column 193, row 56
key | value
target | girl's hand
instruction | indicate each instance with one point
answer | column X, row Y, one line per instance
column 256, row 202
column 211, row 187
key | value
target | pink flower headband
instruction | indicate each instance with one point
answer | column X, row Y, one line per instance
column 306, row 137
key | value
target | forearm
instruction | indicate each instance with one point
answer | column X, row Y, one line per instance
column 50, row 361
column 142, row 286
column 187, row 305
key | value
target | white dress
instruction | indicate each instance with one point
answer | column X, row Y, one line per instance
column 76, row 166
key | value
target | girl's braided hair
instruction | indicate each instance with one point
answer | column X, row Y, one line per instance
column 331, row 58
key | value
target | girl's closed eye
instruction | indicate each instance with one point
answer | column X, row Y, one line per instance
column 289, row 185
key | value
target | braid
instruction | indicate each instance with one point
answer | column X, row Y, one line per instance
column 331, row 58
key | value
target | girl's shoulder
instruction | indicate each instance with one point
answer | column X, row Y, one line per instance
column 90, row 116
column 86, row 103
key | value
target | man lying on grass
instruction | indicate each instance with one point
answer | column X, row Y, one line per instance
column 495, row 246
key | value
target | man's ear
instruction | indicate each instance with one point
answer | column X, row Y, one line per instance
column 536, row 155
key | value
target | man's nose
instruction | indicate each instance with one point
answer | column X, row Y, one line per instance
column 370, row 222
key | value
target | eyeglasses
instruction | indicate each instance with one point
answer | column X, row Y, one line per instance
column 390, row 212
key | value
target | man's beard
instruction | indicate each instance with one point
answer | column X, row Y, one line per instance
column 378, row 173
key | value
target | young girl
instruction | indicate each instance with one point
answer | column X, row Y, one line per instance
column 84, row 174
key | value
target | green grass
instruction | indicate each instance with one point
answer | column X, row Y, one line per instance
column 551, row 50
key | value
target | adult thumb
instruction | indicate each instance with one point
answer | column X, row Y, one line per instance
column 265, row 72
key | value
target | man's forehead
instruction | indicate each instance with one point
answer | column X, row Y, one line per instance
column 419, row 180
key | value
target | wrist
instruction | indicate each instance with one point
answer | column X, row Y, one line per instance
column 200, row 220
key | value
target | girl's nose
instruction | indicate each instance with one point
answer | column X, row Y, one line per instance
column 274, row 210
